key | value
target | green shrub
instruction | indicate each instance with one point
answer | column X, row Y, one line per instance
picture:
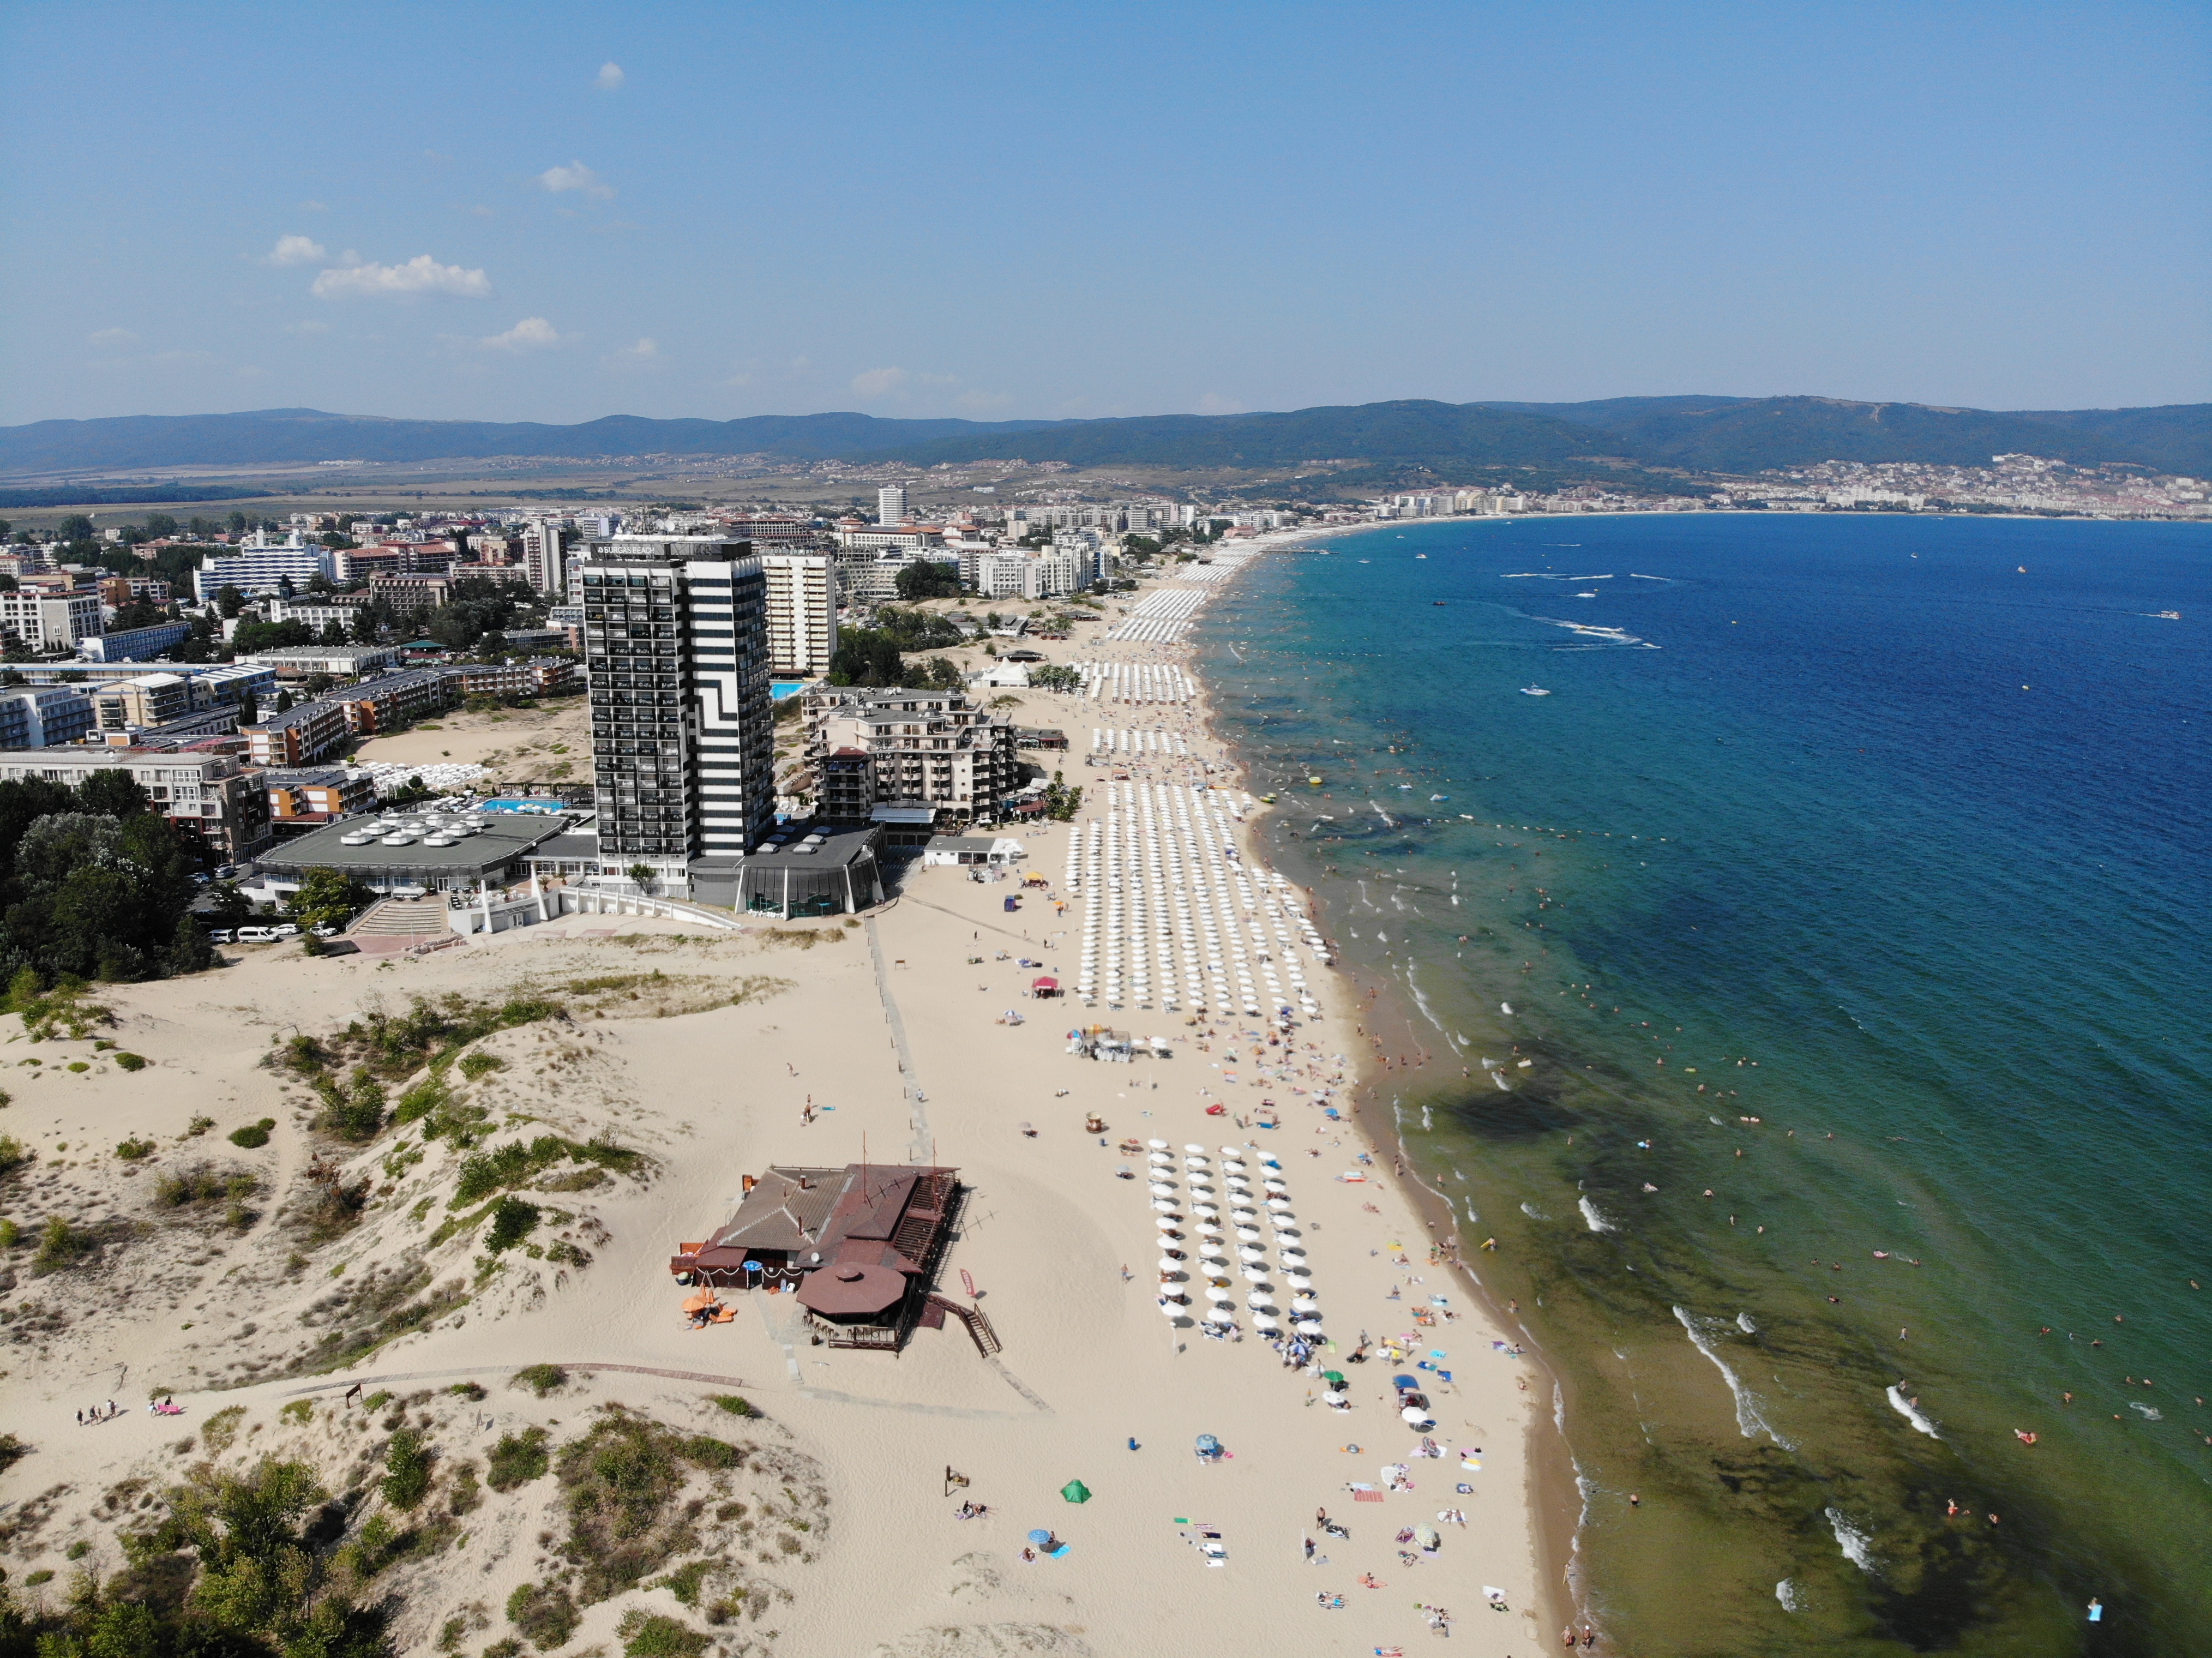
column 253, row 1136
column 512, row 1221
column 541, row 1379
column 14, row 1154
column 406, row 1480
column 133, row 1149
column 10, row 1235
column 129, row 1061
column 732, row 1403
column 354, row 1112
column 468, row 1390
column 545, row 1613
column 61, row 1245
column 650, row 1635
column 178, row 1188
column 476, row 1064
column 12, row 1451
column 517, row 1460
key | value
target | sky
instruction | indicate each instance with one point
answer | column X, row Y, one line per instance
column 557, row 211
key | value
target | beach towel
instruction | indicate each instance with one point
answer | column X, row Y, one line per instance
column 1370, row 1495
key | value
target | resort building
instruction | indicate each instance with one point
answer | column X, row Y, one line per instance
column 134, row 644
column 340, row 661
column 861, row 1243
column 393, row 701
column 51, row 621
column 326, row 792
column 803, row 871
column 540, row 676
column 870, row 748
column 891, row 504
column 262, row 565
column 298, row 736
column 682, row 743
column 42, row 716
column 802, row 613
column 401, row 855
column 209, row 794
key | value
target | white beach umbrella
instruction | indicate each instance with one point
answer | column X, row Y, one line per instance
column 1221, row 1296
column 1194, row 1150
column 1209, row 1229
column 1280, row 1206
column 1265, row 1324
column 1232, row 1152
column 1416, row 1417
column 1255, row 1275
column 1169, row 1264
column 1307, row 1327
column 1165, row 1225
column 1304, row 1304
column 1206, row 1209
column 1293, row 1259
column 1162, row 1206
column 1275, row 1186
column 1157, row 1146
column 1335, row 1399
column 1164, row 1188
column 1249, row 1234
column 1219, row 1315
column 1252, row 1257
column 1171, row 1309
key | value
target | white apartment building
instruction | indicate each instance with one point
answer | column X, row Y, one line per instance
column 51, row 621
column 261, row 565
column 891, row 504
column 1013, row 573
column 545, row 556
column 802, row 612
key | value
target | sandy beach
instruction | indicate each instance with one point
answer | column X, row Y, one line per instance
column 835, row 1531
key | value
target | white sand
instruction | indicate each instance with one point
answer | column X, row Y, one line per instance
column 1089, row 1363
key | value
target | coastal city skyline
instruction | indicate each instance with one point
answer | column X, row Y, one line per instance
column 1557, row 659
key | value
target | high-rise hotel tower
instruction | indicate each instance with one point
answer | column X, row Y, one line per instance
column 682, row 752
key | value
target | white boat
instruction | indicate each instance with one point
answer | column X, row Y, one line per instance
column 1534, row 690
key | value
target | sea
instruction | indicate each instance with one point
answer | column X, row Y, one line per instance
column 1802, row 1006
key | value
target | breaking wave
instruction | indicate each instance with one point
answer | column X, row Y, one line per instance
column 1597, row 1223
column 1911, row 1413
column 1854, row 1543
column 1750, row 1418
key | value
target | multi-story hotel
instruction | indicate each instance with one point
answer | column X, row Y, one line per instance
column 877, row 748
column 802, row 613
column 676, row 642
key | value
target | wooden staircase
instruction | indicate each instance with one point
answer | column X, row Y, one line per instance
column 977, row 1322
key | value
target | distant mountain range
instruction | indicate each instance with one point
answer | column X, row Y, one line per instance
column 1694, row 434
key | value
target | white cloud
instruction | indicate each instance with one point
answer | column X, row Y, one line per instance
column 1214, row 404
column 531, row 334
column 110, row 339
column 576, row 176
column 420, row 274
column 297, row 250
column 880, row 382
column 610, row 76
column 310, row 326
column 643, row 355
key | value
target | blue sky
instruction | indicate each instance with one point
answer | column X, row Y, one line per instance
column 555, row 212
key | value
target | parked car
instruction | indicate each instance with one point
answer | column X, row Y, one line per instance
column 326, row 931
column 222, row 935
column 257, row 935
column 285, row 930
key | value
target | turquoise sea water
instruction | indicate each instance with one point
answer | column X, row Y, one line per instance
column 1889, row 833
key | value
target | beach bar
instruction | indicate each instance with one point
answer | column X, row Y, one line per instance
column 859, row 1246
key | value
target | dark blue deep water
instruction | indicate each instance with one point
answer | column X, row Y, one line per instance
column 1891, row 833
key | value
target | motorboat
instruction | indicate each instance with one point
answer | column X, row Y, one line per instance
column 1534, row 690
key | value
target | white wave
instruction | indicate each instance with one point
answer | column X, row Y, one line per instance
column 1619, row 636
column 1911, row 1413
column 1854, row 1543
column 1786, row 1591
column 2149, row 1415
column 1533, row 1214
column 1638, row 575
column 1547, row 575
column 1559, row 1408
column 1750, row 1420
column 1743, row 1323
column 1597, row 1223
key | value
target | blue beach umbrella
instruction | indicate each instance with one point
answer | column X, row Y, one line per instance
column 1041, row 1538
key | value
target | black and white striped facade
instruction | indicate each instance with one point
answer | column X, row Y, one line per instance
column 676, row 639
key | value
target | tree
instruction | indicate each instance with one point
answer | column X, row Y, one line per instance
column 929, row 578
column 160, row 526
column 75, row 527
column 226, row 907
column 333, row 633
column 641, row 874
column 328, row 897
column 229, row 600
column 111, row 794
column 867, row 656
column 364, row 626
column 236, row 522
column 283, row 701
column 1055, row 677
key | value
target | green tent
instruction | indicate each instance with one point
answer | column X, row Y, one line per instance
column 1334, row 1378
column 1076, row 1491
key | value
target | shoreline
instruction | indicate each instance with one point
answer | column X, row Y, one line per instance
column 1554, row 1499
